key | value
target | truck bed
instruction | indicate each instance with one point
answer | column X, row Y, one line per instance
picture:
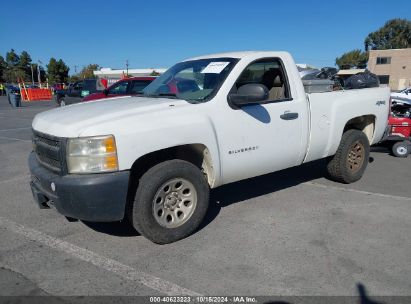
column 330, row 111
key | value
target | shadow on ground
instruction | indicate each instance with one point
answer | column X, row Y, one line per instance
column 236, row 193
column 122, row 229
column 261, row 185
column 384, row 148
column 361, row 298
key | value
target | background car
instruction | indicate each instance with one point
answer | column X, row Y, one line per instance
column 401, row 95
column 125, row 87
column 76, row 92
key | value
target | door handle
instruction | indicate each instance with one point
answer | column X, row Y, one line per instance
column 289, row 115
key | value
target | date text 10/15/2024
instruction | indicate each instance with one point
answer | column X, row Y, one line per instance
column 203, row 299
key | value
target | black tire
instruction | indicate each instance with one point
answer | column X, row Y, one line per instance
column 401, row 148
column 142, row 211
column 349, row 162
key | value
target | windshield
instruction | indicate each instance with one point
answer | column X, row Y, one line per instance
column 194, row 81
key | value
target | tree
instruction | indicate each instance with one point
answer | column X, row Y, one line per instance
column 3, row 67
column 87, row 72
column 24, row 65
column 395, row 34
column 13, row 71
column 352, row 59
column 16, row 67
column 12, row 58
column 154, row 73
column 73, row 78
column 57, row 71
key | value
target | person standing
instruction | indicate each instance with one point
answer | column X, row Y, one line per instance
column 1, row 89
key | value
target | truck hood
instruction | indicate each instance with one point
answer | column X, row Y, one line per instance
column 71, row 121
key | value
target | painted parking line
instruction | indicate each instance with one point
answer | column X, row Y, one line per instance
column 358, row 191
column 13, row 138
column 15, row 179
column 15, row 129
column 14, row 117
column 127, row 272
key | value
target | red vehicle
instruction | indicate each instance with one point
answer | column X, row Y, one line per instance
column 399, row 123
column 124, row 87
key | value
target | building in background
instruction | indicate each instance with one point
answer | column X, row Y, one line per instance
column 393, row 67
column 113, row 75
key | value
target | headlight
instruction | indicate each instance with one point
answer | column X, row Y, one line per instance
column 92, row 154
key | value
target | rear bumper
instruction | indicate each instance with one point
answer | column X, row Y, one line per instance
column 90, row 197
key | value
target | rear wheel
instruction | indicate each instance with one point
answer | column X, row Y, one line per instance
column 170, row 202
column 349, row 162
column 401, row 148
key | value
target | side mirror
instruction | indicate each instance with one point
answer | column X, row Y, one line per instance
column 248, row 94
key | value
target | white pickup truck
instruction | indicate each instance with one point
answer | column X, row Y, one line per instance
column 206, row 122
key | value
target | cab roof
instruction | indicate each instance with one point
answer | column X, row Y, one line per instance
column 242, row 54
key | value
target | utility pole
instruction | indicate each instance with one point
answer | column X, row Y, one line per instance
column 32, row 74
column 38, row 73
column 127, row 67
column 75, row 69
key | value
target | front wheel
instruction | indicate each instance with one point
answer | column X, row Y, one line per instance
column 349, row 162
column 401, row 148
column 170, row 202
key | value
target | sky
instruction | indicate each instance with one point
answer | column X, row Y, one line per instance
column 157, row 33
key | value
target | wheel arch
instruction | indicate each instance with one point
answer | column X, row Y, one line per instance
column 364, row 123
column 198, row 154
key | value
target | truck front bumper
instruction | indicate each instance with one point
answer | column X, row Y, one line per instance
column 89, row 197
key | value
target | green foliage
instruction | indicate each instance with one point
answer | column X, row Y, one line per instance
column 154, row 73
column 14, row 70
column 3, row 67
column 24, row 66
column 87, row 71
column 14, row 67
column 395, row 34
column 12, row 58
column 352, row 59
column 73, row 78
column 25, row 60
column 57, row 71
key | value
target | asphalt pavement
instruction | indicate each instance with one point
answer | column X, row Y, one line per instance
column 288, row 233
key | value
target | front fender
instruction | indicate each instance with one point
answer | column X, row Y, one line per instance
column 141, row 135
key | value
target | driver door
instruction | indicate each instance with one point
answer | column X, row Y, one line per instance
column 265, row 137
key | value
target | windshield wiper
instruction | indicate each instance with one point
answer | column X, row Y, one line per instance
column 167, row 94
column 157, row 95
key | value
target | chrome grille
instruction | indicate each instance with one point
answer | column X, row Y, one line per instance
column 48, row 151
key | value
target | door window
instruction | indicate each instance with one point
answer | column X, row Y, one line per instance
column 268, row 72
column 78, row 86
column 119, row 88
